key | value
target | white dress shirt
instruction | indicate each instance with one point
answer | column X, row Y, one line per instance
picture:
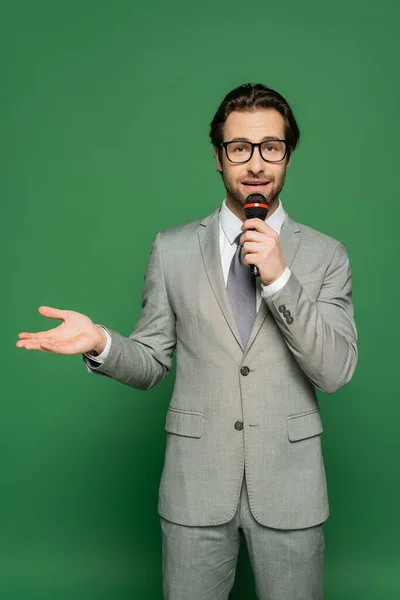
column 229, row 228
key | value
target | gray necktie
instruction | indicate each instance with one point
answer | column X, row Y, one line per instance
column 241, row 289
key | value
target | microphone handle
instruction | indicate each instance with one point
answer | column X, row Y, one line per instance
column 253, row 268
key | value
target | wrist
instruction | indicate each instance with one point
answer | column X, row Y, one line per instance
column 274, row 278
column 102, row 341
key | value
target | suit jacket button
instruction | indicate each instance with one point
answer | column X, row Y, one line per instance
column 286, row 313
column 245, row 370
column 289, row 320
column 238, row 425
column 281, row 308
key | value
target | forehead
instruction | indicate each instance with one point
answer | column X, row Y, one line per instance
column 254, row 124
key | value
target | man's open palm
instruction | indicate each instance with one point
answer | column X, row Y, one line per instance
column 77, row 334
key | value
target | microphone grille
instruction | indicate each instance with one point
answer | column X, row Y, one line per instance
column 256, row 207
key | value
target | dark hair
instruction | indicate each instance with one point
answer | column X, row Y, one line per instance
column 249, row 97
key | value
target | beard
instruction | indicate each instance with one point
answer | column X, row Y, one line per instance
column 237, row 193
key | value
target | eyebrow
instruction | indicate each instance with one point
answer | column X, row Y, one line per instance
column 244, row 139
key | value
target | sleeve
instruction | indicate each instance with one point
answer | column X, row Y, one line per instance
column 145, row 357
column 320, row 333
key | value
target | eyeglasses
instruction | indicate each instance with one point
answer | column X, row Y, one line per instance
column 241, row 151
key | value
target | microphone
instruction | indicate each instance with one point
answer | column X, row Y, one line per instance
column 256, row 207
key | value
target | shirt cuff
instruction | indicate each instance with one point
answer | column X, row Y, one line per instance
column 103, row 355
column 269, row 290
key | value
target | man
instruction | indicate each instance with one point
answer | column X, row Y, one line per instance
column 243, row 425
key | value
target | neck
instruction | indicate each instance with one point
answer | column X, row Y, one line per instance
column 239, row 212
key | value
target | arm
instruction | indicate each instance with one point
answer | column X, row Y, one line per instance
column 321, row 333
column 144, row 358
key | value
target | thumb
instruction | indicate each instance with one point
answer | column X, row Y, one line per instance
column 53, row 313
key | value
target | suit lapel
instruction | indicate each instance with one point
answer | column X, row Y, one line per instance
column 208, row 233
column 209, row 244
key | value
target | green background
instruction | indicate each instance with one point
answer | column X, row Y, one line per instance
column 105, row 113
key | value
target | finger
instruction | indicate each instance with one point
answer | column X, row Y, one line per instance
column 251, row 247
column 252, row 236
column 259, row 225
column 53, row 313
column 30, row 345
column 36, row 340
column 47, row 347
column 22, row 343
column 251, row 258
column 38, row 335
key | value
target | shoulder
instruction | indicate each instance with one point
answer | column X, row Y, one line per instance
column 184, row 230
column 314, row 239
column 185, row 233
column 318, row 248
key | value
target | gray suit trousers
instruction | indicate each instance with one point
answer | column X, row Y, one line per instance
column 199, row 563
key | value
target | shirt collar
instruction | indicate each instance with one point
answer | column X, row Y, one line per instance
column 231, row 224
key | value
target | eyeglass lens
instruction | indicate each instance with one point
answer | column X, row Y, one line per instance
column 272, row 150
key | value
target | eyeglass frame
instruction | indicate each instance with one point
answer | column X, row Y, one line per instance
column 253, row 145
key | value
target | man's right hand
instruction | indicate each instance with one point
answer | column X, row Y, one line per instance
column 77, row 334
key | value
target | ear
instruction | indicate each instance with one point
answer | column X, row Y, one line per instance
column 219, row 166
column 288, row 162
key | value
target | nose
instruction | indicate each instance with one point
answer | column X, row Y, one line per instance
column 256, row 163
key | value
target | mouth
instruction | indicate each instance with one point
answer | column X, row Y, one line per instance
column 256, row 186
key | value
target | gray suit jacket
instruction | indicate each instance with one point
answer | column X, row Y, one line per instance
column 304, row 337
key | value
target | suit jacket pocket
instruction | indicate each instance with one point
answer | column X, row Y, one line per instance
column 184, row 422
column 305, row 425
